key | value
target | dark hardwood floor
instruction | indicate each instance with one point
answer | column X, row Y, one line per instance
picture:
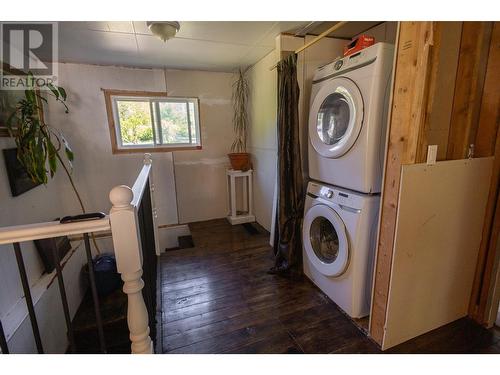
column 218, row 298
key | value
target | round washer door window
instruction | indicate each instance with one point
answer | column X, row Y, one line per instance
column 325, row 240
column 336, row 117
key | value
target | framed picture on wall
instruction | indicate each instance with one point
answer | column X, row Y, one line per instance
column 19, row 179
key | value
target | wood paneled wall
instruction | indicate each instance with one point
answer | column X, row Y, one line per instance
column 487, row 143
column 425, row 51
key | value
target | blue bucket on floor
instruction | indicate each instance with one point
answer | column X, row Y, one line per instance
column 107, row 279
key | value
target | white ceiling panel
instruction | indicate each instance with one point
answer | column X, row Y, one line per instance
column 191, row 53
column 224, row 32
column 97, row 47
column 219, row 46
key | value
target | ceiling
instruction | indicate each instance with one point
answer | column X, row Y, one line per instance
column 349, row 30
column 216, row 46
column 201, row 45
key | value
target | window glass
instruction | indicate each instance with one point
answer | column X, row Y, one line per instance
column 174, row 122
column 156, row 122
column 135, row 123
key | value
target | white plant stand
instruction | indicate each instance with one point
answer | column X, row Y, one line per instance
column 246, row 216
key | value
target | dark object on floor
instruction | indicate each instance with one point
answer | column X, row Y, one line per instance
column 114, row 317
column 107, row 279
column 19, row 180
column 217, row 299
column 186, row 242
column 45, row 246
column 250, row 228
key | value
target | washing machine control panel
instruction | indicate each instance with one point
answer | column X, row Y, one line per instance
column 341, row 197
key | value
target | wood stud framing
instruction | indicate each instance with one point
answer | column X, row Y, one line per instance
column 474, row 119
column 471, row 71
column 407, row 116
column 486, row 138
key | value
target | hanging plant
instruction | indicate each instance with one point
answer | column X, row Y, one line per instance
column 240, row 159
column 39, row 145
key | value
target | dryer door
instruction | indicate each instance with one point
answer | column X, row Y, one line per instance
column 335, row 117
column 325, row 240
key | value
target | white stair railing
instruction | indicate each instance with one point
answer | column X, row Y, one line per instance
column 132, row 221
column 129, row 253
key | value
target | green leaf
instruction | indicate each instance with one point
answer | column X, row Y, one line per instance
column 52, row 158
column 42, row 98
column 69, row 154
column 53, row 89
column 62, row 92
column 30, row 79
column 33, row 137
column 68, row 151
column 30, row 95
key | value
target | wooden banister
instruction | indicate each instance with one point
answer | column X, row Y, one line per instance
column 50, row 229
column 129, row 253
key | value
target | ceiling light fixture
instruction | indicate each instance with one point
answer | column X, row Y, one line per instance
column 164, row 30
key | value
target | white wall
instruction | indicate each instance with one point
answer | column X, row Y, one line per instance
column 200, row 176
column 262, row 135
column 96, row 169
column 200, row 181
column 384, row 32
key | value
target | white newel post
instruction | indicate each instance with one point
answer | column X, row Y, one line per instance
column 128, row 252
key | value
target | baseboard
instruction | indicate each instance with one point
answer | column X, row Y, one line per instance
column 169, row 235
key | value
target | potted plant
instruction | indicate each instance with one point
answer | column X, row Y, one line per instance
column 39, row 145
column 239, row 157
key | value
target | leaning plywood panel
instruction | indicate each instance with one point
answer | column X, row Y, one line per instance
column 438, row 231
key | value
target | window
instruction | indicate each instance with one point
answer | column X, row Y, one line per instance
column 145, row 121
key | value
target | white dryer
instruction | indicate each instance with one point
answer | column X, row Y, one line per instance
column 347, row 119
column 339, row 235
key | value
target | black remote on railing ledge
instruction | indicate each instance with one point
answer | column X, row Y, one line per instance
column 82, row 217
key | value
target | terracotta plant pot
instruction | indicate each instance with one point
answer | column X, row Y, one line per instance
column 240, row 161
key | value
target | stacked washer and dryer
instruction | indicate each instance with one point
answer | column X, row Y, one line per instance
column 347, row 132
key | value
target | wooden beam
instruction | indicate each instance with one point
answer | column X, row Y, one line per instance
column 317, row 39
column 443, row 71
column 489, row 116
column 321, row 36
column 429, row 92
column 487, row 144
column 488, row 276
column 411, row 82
column 471, row 71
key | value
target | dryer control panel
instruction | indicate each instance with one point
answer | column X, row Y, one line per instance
column 357, row 60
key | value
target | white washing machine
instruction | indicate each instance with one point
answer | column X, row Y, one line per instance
column 339, row 235
column 347, row 119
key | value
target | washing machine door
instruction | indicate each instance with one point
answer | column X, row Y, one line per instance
column 335, row 117
column 325, row 240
